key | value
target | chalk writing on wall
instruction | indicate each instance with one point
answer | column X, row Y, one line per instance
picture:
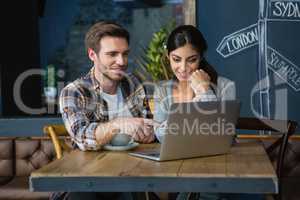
column 238, row 41
column 278, row 10
column 284, row 10
column 284, row 68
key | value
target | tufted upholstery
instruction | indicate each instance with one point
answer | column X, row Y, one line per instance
column 18, row 188
column 32, row 154
column 6, row 160
column 18, row 158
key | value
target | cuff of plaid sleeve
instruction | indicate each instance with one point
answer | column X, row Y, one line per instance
column 104, row 133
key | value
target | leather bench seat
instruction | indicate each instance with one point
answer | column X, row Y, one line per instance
column 6, row 160
column 18, row 158
column 18, row 188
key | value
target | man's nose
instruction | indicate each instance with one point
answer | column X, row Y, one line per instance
column 121, row 60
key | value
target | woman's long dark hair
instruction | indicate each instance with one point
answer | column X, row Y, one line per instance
column 188, row 34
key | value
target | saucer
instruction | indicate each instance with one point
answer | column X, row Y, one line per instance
column 120, row 148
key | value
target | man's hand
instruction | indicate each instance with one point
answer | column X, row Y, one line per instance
column 139, row 128
column 200, row 82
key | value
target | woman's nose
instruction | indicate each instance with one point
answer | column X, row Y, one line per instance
column 182, row 66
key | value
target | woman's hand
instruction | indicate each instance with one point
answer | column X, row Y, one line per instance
column 200, row 82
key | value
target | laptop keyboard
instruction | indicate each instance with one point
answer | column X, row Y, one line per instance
column 150, row 153
column 154, row 154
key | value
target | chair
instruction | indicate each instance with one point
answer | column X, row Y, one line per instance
column 280, row 130
column 56, row 132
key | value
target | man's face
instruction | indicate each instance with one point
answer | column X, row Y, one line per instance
column 112, row 59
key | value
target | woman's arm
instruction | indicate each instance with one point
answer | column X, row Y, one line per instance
column 161, row 109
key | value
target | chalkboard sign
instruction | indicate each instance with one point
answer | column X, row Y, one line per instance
column 256, row 44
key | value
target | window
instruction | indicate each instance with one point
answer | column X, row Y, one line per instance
column 64, row 24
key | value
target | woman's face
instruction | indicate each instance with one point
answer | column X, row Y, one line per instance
column 184, row 61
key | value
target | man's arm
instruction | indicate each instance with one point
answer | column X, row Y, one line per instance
column 88, row 135
column 75, row 109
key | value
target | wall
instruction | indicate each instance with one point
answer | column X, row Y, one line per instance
column 245, row 39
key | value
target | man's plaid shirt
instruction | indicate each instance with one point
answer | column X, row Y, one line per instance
column 83, row 108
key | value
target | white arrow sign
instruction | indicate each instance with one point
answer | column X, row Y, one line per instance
column 284, row 68
column 238, row 41
column 285, row 10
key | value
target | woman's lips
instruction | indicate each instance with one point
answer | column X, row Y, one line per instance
column 183, row 75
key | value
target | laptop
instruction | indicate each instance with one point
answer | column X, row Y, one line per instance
column 196, row 129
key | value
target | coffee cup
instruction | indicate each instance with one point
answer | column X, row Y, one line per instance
column 121, row 139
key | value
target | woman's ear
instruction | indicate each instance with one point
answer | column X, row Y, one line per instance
column 165, row 58
column 203, row 61
column 203, row 64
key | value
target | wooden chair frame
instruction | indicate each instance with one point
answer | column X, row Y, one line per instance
column 281, row 131
column 55, row 132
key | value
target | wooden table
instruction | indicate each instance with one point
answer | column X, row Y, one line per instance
column 246, row 169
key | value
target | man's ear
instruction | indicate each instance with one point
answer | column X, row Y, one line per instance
column 92, row 54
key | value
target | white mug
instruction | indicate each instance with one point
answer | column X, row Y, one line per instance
column 121, row 139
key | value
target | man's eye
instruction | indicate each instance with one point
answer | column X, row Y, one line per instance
column 112, row 54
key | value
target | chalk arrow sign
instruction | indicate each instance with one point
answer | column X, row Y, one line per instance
column 284, row 10
column 238, row 41
column 284, row 68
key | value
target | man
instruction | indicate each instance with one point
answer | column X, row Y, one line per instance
column 107, row 100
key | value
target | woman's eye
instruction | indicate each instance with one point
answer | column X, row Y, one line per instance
column 176, row 60
column 192, row 60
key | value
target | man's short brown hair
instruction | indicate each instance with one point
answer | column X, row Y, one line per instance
column 102, row 29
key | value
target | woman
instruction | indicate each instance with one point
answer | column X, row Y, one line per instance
column 194, row 79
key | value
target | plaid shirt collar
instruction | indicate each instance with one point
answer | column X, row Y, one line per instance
column 95, row 83
column 124, row 83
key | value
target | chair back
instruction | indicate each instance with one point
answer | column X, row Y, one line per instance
column 281, row 130
column 56, row 132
